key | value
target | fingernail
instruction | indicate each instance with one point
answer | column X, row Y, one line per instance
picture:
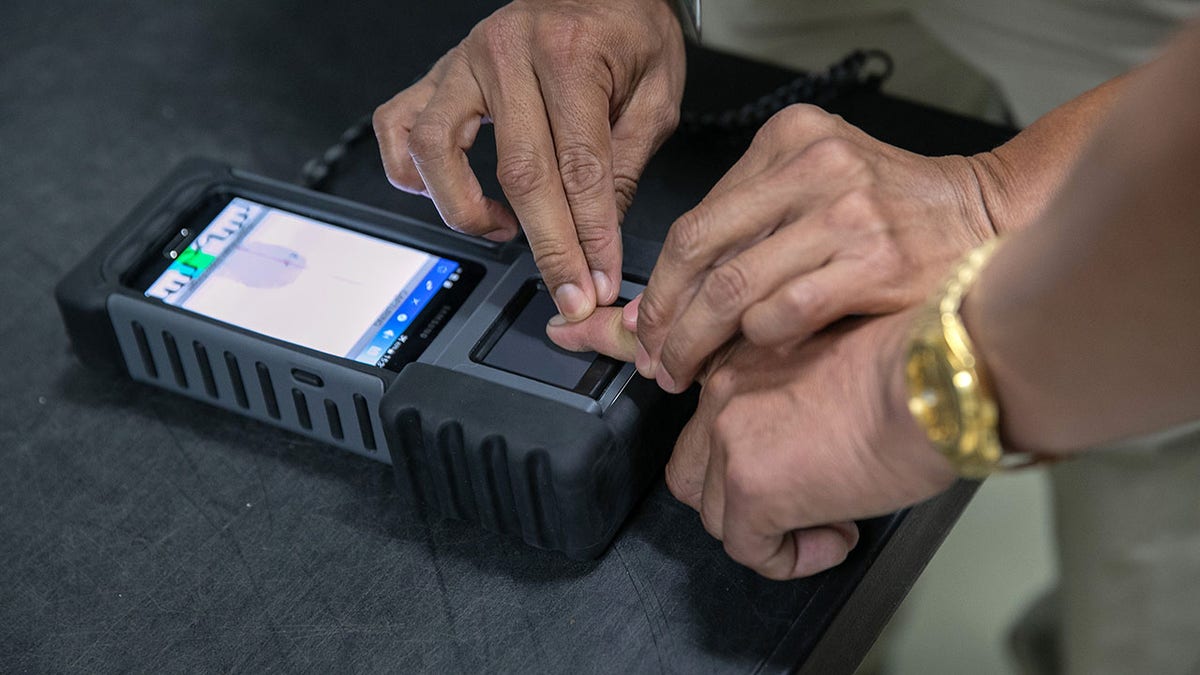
column 557, row 320
column 641, row 359
column 629, row 316
column 500, row 236
column 604, row 287
column 571, row 301
column 666, row 381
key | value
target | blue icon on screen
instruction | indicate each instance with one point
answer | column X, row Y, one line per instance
column 441, row 275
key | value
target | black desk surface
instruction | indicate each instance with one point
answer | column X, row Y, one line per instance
column 141, row 531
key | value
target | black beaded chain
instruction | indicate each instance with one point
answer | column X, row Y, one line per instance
column 864, row 68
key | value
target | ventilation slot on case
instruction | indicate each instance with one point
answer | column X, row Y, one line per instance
column 175, row 360
column 235, row 378
column 206, row 371
column 364, row 422
column 143, row 345
column 268, row 389
column 301, row 403
column 335, row 420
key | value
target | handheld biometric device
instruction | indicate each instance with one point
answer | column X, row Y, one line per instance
column 384, row 336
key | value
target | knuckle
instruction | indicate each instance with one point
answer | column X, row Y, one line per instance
column 722, row 385
column 625, row 187
column 686, row 239
column 834, row 153
column 553, row 258
column 581, row 169
column 802, row 300
column 727, row 428
column 388, row 131
column 430, row 138
column 463, row 217
column 726, row 289
column 652, row 313
column 798, row 118
column 563, row 36
column 381, row 120
column 597, row 239
column 674, row 357
column 678, row 484
column 402, row 174
column 498, row 34
column 521, row 172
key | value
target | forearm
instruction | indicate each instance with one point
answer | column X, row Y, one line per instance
column 1017, row 179
column 1089, row 321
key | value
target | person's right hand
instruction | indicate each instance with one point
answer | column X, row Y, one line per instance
column 581, row 95
column 817, row 221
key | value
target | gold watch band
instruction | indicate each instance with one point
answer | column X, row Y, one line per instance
column 949, row 392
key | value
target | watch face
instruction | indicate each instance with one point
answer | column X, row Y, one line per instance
column 931, row 396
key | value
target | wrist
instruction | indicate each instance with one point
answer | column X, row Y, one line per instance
column 975, row 212
column 991, row 181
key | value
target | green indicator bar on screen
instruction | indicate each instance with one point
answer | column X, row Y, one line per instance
column 195, row 259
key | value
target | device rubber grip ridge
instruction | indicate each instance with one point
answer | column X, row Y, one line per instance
column 555, row 476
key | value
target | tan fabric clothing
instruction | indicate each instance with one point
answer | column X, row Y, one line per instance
column 1128, row 532
column 1037, row 54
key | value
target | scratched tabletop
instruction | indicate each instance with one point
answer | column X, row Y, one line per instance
column 143, row 532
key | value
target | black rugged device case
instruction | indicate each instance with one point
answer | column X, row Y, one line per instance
column 557, row 477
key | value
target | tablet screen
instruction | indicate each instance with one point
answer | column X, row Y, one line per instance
column 311, row 283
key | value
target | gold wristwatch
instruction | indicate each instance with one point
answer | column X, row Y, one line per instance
column 948, row 390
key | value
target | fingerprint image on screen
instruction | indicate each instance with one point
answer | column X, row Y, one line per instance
column 261, row 265
column 303, row 281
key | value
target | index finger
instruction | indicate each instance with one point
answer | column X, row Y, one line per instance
column 719, row 227
column 690, row 247
column 527, row 168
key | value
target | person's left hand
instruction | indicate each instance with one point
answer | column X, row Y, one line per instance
column 789, row 445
